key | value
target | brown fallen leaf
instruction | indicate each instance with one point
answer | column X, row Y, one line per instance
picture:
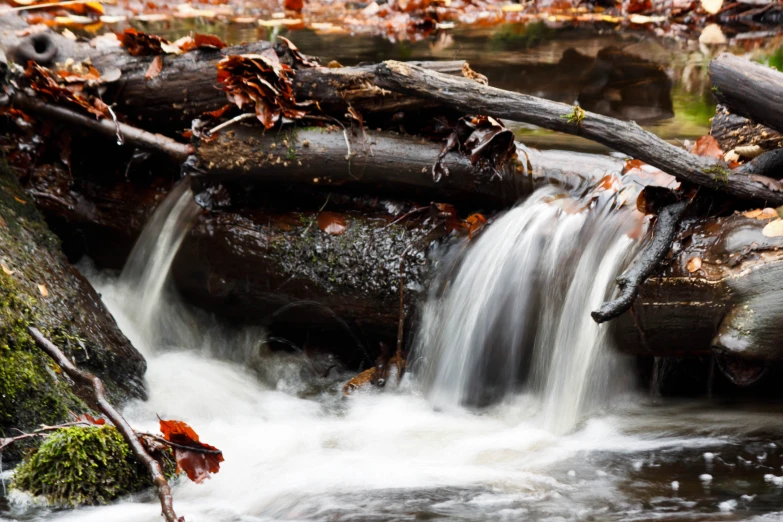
column 155, row 68
column 773, row 228
column 89, row 419
column 694, row 264
column 332, row 223
column 6, row 269
column 707, row 146
column 44, row 291
column 197, row 465
column 752, row 213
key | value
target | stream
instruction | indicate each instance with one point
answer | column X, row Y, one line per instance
column 458, row 438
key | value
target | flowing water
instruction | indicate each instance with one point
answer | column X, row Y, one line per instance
column 559, row 442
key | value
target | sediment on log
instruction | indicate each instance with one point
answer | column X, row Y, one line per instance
column 627, row 137
column 732, row 131
column 749, row 89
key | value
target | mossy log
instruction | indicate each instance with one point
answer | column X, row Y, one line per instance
column 38, row 287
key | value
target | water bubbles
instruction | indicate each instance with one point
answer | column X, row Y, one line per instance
column 705, row 478
column 637, row 465
column 762, row 457
column 709, row 456
column 729, row 505
column 747, row 498
column 600, row 473
column 675, row 485
column 773, row 479
column 572, row 473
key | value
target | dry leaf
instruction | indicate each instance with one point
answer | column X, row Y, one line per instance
column 44, row 291
column 6, row 269
column 155, row 68
column 752, row 213
column 773, row 228
column 197, row 465
column 707, row 146
column 712, row 35
column 694, row 264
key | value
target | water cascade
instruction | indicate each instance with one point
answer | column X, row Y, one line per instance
column 517, row 313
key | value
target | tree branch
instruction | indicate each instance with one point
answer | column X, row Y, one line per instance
column 98, row 395
column 648, row 260
column 627, row 137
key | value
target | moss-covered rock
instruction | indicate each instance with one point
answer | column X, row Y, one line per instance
column 39, row 287
column 82, row 465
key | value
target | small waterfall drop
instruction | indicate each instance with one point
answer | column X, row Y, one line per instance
column 147, row 269
column 518, row 311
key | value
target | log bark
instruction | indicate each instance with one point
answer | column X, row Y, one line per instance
column 388, row 164
column 98, row 396
column 628, row 137
column 749, row 89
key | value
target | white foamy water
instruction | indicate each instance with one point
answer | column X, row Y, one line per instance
column 518, row 312
column 295, row 450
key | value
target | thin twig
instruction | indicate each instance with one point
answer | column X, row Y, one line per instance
column 40, row 432
column 180, row 446
column 94, row 384
column 133, row 135
column 316, row 215
column 235, row 119
column 406, row 215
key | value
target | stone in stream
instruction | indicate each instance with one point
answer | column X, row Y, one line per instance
column 38, row 287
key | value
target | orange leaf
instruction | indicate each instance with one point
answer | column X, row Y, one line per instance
column 476, row 222
column 293, row 5
column 707, row 146
column 632, row 164
column 208, row 40
column 196, row 464
column 332, row 223
column 155, row 68
column 44, row 291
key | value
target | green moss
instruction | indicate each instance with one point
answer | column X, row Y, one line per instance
column 82, row 465
column 719, row 173
column 30, row 392
column 577, row 115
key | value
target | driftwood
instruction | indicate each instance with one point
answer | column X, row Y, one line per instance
column 98, row 396
column 648, row 260
column 466, row 96
column 749, row 89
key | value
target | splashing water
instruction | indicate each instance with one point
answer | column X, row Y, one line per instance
column 518, row 311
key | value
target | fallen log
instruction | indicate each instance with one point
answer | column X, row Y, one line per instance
column 627, row 137
column 749, row 89
column 388, row 164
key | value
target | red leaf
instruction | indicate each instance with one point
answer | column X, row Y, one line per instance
column 293, row 5
column 208, row 40
column 332, row 223
column 155, row 67
column 707, row 146
column 197, row 465
column 476, row 222
column 89, row 419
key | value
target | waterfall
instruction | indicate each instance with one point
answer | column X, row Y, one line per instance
column 517, row 313
column 147, row 269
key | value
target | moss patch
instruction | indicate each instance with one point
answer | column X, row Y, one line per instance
column 82, row 465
